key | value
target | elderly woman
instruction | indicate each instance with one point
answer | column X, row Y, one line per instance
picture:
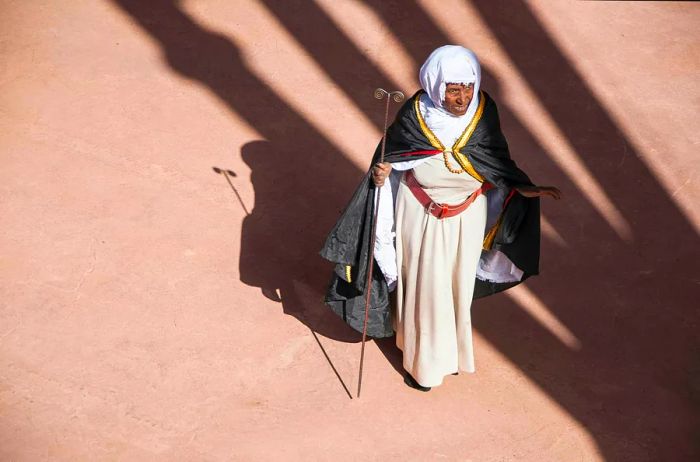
column 457, row 220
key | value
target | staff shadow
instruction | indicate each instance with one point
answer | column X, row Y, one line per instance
column 627, row 302
column 292, row 213
column 281, row 236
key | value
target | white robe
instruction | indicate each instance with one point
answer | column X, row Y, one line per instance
column 438, row 259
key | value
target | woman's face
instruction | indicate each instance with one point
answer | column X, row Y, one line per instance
column 457, row 97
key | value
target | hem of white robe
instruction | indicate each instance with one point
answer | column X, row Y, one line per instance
column 442, row 379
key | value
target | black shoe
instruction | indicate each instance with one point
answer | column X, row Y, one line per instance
column 411, row 382
column 455, row 373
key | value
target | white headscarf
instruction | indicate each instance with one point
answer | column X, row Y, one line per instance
column 448, row 64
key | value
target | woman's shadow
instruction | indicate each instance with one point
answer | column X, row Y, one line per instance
column 281, row 238
column 295, row 206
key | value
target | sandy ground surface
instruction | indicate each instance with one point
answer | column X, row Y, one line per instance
column 152, row 309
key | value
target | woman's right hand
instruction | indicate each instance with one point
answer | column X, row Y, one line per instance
column 380, row 172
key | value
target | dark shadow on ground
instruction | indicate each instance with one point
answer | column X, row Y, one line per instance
column 627, row 301
column 345, row 64
column 292, row 212
column 633, row 305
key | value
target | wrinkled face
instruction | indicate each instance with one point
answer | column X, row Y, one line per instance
column 457, row 97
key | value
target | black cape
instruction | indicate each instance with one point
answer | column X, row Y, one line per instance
column 517, row 233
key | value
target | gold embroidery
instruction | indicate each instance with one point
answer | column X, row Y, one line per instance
column 461, row 141
column 347, row 273
column 491, row 235
column 462, row 159
column 434, row 141
column 467, row 166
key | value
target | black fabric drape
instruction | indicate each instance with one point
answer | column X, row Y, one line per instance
column 348, row 242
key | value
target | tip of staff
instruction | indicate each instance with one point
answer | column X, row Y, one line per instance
column 221, row 170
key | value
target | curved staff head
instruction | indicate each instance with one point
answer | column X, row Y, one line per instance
column 397, row 96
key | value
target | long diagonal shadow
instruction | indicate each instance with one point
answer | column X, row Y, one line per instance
column 294, row 152
column 627, row 302
column 602, row 385
column 337, row 55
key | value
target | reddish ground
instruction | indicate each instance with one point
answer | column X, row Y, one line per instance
column 154, row 309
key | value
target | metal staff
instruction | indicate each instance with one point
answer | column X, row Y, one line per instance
column 397, row 96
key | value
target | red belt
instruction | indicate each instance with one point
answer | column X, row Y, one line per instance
column 441, row 210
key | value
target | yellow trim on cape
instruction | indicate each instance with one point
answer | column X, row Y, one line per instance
column 347, row 273
column 491, row 235
column 434, row 141
column 461, row 159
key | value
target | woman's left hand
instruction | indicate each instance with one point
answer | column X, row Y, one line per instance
column 540, row 191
